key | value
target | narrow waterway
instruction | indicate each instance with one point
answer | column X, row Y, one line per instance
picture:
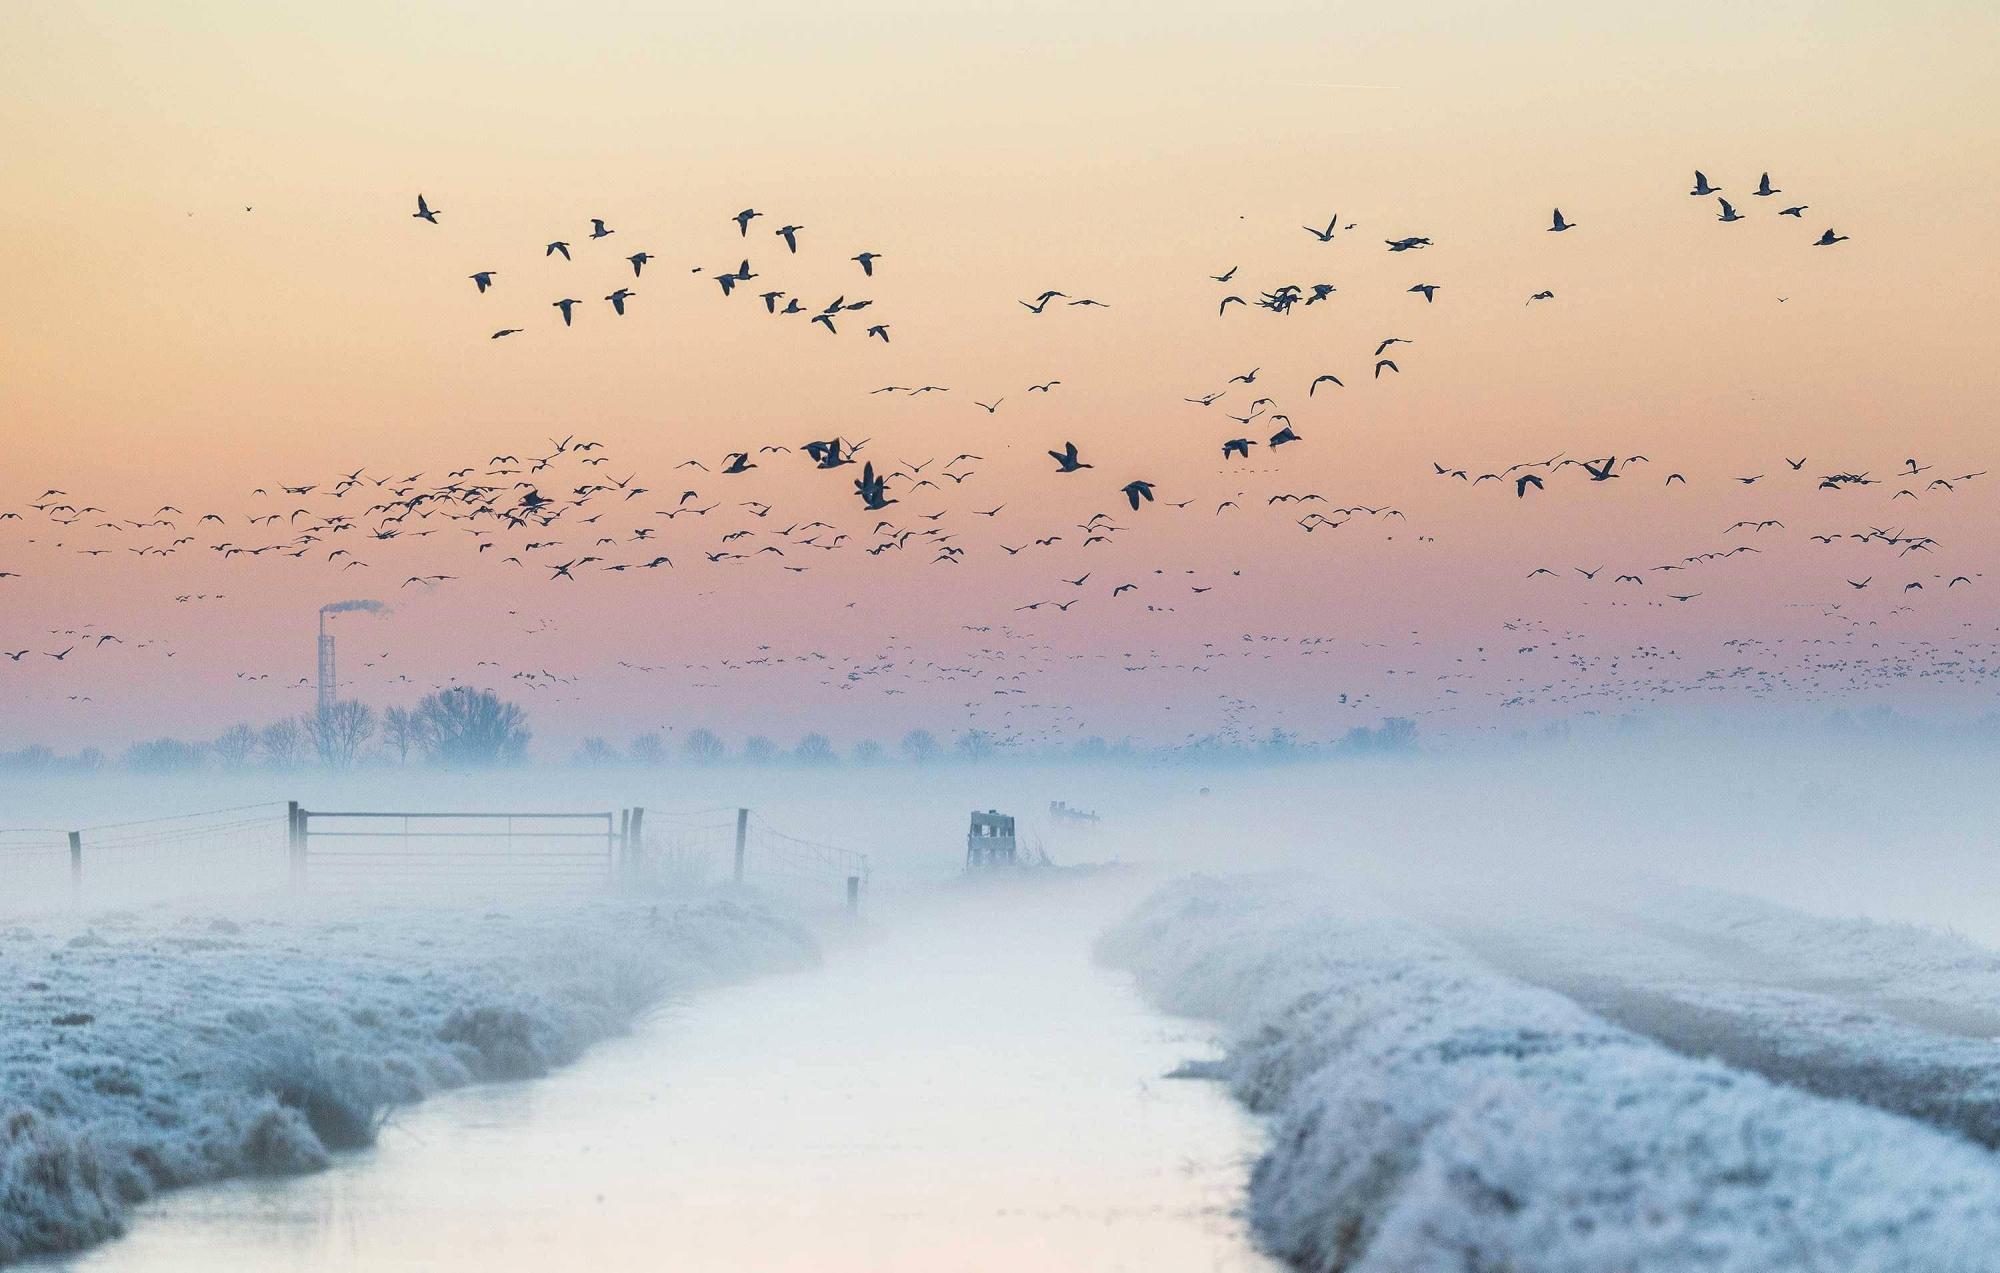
column 960, row 1089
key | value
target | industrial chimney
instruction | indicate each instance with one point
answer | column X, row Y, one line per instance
column 329, row 680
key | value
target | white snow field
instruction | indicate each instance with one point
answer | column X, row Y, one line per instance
column 149, row 1049
column 1432, row 1114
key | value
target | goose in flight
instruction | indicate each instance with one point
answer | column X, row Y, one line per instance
column 1728, row 213
column 559, row 245
column 425, row 212
column 1407, row 244
column 1283, row 435
column 867, row 262
column 790, row 234
column 505, row 331
column 871, row 487
column 1066, row 461
column 1560, row 224
column 1701, row 186
column 1225, row 276
column 566, row 304
column 742, row 274
column 1325, row 377
column 598, row 229
column 1796, row 210
column 743, row 220
column 1523, row 482
column 1324, row 236
column 1136, row 491
column 1764, row 187
column 1828, row 239
column 1386, row 362
column 638, row 260
column 1544, row 295
column 1429, row 291
column 483, row 280
column 617, row 299
column 1237, row 446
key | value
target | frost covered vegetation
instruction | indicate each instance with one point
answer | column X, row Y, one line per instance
column 1429, row 1113
column 148, row 1050
column 1891, row 1015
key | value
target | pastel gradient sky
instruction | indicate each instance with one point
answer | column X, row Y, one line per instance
column 162, row 346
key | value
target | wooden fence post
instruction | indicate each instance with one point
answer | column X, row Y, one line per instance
column 635, row 843
column 619, row 846
column 853, row 895
column 76, row 870
column 742, row 840
column 295, row 837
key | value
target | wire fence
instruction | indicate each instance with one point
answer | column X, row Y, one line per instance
column 444, row 855
column 265, row 848
column 684, row 850
column 218, row 852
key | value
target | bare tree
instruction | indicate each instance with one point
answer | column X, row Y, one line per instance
column 815, row 749
column 920, row 745
column 474, row 728
column 401, row 732
column 338, row 732
column 703, row 746
column 283, row 743
column 234, row 746
column 649, row 750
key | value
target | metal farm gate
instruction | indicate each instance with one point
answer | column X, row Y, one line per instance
column 454, row 854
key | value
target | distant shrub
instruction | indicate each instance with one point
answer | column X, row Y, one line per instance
column 165, row 756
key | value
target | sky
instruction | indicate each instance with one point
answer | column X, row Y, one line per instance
column 216, row 286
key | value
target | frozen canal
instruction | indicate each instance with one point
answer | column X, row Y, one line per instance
column 963, row 1090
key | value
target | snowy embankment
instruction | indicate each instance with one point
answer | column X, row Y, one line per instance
column 148, row 1050
column 1429, row 1113
column 1893, row 1016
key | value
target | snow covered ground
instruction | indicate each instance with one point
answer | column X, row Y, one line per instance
column 149, row 1049
column 1890, row 1015
column 1431, row 1113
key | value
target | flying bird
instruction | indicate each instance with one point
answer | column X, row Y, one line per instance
column 1066, row 461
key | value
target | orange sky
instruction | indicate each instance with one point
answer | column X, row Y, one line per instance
column 163, row 346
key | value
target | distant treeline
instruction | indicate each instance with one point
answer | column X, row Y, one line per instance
column 477, row 729
column 977, row 746
column 459, row 728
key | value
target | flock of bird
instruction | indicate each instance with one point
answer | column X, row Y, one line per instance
column 561, row 514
